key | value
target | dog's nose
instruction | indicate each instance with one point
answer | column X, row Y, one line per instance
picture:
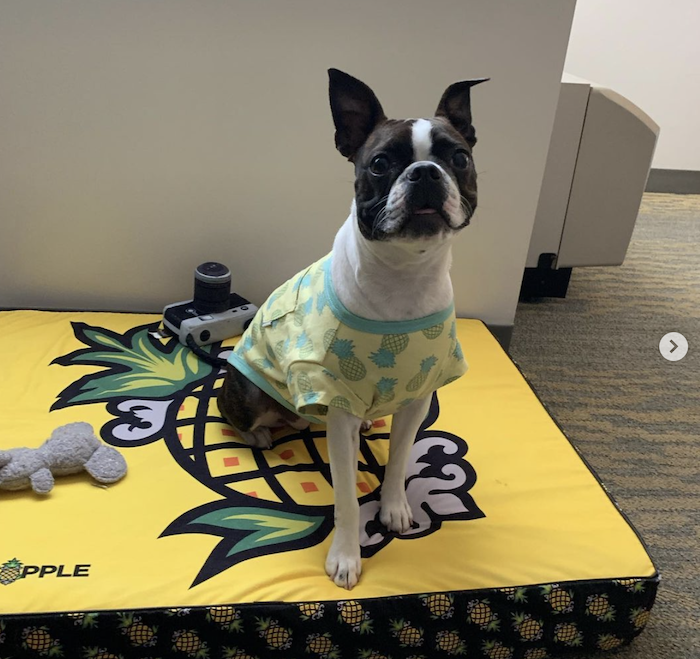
column 423, row 171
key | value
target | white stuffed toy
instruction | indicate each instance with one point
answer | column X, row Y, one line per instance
column 70, row 449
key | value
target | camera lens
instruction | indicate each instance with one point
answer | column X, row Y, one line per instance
column 212, row 288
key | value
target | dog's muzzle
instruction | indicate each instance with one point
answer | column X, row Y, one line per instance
column 425, row 190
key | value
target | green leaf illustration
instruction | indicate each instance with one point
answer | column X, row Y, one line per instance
column 260, row 526
column 137, row 366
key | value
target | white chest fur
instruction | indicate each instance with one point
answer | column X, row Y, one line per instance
column 390, row 280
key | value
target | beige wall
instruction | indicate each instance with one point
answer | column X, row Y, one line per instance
column 649, row 52
column 138, row 139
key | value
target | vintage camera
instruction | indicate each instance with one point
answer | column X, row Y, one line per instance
column 214, row 314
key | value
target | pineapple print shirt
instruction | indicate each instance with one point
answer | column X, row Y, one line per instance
column 309, row 352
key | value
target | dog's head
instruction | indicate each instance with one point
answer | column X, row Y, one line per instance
column 414, row 178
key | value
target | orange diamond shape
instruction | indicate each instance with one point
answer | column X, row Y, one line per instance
column 288, row 453
column 379, row 423
column 231, row 462
column 227, row 432
column 309, row 487
column 364, row 487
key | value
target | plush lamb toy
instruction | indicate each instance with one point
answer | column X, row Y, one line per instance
column 70, row 449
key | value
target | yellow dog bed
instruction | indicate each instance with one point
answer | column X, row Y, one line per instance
column 209, row 548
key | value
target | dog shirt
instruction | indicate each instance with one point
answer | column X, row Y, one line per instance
column 309, row 352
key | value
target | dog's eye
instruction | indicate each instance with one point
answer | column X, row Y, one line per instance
column 460, row 159
column 379, row 165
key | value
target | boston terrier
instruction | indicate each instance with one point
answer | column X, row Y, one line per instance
column 368, row 330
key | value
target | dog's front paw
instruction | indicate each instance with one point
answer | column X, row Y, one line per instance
column 395, row 513
column 344, row 567
column 259, row 438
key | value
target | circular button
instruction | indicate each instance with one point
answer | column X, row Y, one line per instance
column 673, row 346
column 205, row 335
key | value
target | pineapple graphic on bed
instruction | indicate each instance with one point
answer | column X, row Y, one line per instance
column 281, row 499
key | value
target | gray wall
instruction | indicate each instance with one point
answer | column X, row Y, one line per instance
column 138, row 139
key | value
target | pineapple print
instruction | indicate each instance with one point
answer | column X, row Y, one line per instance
column 528, row 628
column 385, row 390
column 322, row 646
column 352, row 613
column 515, row 594
column 433, row 332
column 568, row 634
column 418, row 380
column 188, row 641
column 479, row 613
column 328, row 339
column 342, row 403
column 496, row 650
column 609, row 642
column 439, row 605
column 408, row 635
column 304, row 344
column 281, row 349
column 391, row 345
column 306, row 388
column 226, row 617
column 276, row 637
column 100, row 653
column 450, row 642
column 561, row 601
column 84, row 620
column 180, row 613
column 10, row 572
column 372, row 654
column 39, row 640
column 536, row 653
column 599, row 607
column 235, row 653
column 639, row 618
column 301, row 311
column 631, row 585
column 350, row 366
column 311, row 610
column 139, row 634
column 275, row 296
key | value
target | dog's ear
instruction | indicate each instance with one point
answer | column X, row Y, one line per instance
column 356, row 111
column 455, row 106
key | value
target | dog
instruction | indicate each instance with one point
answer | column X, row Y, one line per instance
column 369, row 330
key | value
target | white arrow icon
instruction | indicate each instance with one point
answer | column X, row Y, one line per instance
column 673, row 346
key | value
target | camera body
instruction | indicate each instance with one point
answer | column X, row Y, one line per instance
column 214, row 313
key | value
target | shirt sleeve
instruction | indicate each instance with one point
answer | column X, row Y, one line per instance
column 314, row 390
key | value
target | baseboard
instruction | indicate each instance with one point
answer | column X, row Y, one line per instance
column 676, row 181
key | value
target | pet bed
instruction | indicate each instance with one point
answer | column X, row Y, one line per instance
column 209, row 548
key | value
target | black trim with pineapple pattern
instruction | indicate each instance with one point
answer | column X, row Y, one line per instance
column 530, row 622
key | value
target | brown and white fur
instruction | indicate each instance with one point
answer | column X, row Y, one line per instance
column 415, row 189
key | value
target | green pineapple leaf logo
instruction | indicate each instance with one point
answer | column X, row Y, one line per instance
column 137, row 365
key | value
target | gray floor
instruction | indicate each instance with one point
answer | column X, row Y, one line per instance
column 593, row 358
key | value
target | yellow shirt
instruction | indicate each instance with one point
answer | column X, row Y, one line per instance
column 306, row 350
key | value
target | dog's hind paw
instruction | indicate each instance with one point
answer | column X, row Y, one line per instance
column 366, row 425
column 259, row 438
column 396, row 514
